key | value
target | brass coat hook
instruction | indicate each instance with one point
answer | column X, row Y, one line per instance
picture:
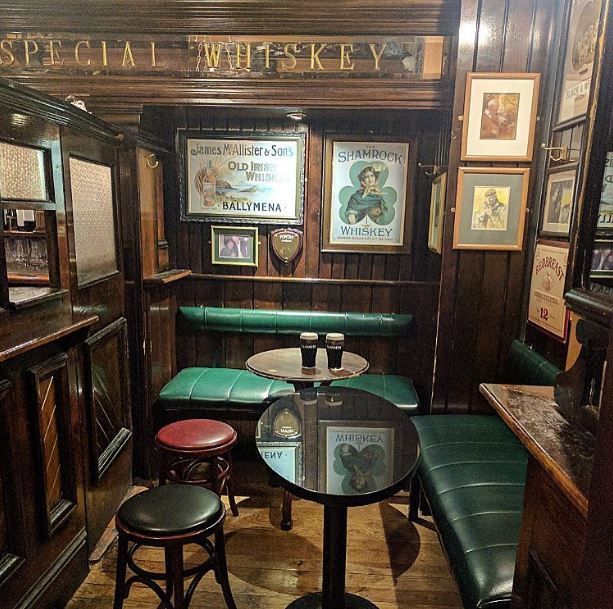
column 152, row 162
column 564, row 153
column 435, row 169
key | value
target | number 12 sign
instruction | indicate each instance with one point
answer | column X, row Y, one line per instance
column 546, row 307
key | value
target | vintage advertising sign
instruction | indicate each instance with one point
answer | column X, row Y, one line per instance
column 605, row 210
column 546, row 307
column 365, row 201
column 244, row 179
column 579, row 61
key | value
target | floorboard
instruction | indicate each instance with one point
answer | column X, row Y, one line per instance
column 394, row 563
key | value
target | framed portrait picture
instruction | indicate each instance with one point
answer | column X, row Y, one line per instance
column 602, row 259
column 236, row 245
column 559, row 201
column 499, row 116
column 546, row 308
column 437, row 208
column 359, row 457
column 578, row 59
column 242, row 179
column 490, row 208
column 605, row 209
column 367, row 204
column 284, row 458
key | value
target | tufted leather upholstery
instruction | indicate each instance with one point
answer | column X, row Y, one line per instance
column 529, row 367
column 224, row 389
column 173, row 509
column 271, row 321
column 473, row 472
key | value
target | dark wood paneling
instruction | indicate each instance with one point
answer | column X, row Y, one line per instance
column 482, row 292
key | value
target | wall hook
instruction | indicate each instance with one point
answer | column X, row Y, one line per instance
column 152, row 162
column 562, row 156
column 435, row 169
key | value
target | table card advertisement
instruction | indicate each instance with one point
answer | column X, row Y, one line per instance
column 358, row 459
column 365, row 201
column 546, row 307
column 244, row 179
column 605, row 211
column 283, row 458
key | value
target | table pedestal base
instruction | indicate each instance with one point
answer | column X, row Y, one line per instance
column 314, row 601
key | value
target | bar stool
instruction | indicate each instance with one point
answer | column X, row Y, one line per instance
column 171, row 517
column 198, row 452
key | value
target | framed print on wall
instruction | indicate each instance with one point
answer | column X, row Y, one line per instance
column 605, row 209
column 546, row 307
column 490, row 208
column 602, row 259
column 579, row 59
column 559, row 200
column 367, row 204
column 235, row 245
column 437, row 208
column 255, row 178
column 499, row 116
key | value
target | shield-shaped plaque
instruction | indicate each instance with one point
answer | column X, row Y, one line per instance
column 286, row 243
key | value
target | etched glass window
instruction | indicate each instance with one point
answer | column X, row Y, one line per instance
column 22, row 173
column 94, row 221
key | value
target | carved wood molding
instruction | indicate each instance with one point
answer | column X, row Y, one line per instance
column 108, row 396
column 57, row 483
column 234, row 16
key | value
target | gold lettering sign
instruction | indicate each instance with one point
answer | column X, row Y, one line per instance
column 410, row 57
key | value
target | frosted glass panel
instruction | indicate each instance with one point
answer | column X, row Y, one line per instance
column 94, row 224
column 22, row 173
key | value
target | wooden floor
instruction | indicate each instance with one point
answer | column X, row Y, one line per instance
column 390, row 561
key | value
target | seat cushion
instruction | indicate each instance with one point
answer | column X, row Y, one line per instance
column 172, row 509
column 211, row 388
column 396, row 389
column 473, row 472
column 196, row 435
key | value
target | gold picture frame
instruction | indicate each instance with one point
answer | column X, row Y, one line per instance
column 499, row 116
column 437, row 213
column 490, row 208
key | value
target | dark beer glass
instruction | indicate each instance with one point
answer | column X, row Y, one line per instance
column 308, row 349
column 334, row 349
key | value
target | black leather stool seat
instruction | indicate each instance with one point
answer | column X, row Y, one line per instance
column 173, row 509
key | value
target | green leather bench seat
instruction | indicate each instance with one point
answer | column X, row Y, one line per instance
column 219, row 391
column 473, row 471
column 272, row 321
column 528, row 367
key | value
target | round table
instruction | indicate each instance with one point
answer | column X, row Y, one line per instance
column 353, row 448
column 286, row 365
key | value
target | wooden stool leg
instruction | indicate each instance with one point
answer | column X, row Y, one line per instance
column 120, row 576
column 169, row 574
column 221, row 569
column 414, row 499
column 176, row 560
column 286, row 511
column 230, row 488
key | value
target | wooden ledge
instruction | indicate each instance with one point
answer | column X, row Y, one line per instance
column 166, row 277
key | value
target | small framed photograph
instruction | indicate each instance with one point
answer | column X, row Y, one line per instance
column 236, row 245
column 605, row 209
column 242, row 179
column 602, row 259
column 559, row 200
column 437, row 208
column 368, row 186
column 546, row 307
column 581, row 44
column 490, row 208
column 499, row 116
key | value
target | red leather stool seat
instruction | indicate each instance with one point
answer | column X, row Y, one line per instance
column 196, row 435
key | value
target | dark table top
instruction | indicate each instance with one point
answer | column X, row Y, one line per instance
column 286, row 365
column 338, row 446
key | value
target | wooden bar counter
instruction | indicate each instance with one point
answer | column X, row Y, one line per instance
column 557, row 489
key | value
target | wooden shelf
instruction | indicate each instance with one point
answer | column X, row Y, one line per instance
column 167, row 277
column 18, row 278
column 565, row 451
column 21, row 297
column 17, row 234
